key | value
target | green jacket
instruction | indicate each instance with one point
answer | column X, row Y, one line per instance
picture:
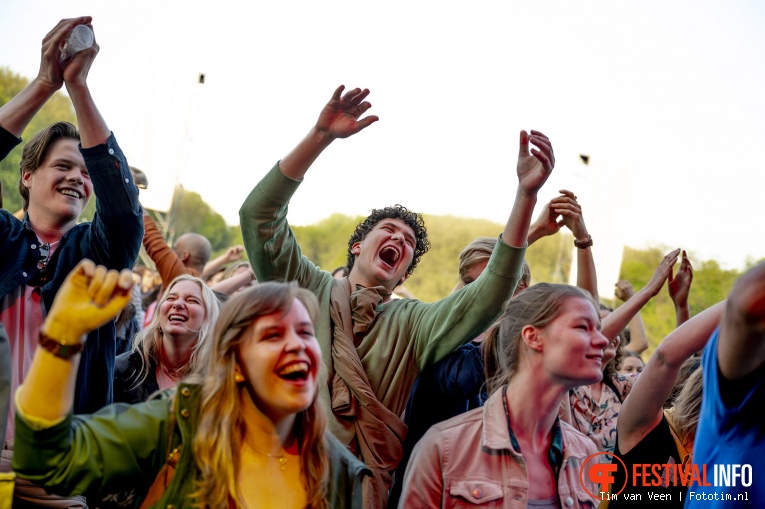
column 125, row 446
column 407, row 335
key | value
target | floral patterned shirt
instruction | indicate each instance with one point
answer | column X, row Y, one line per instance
column 597, row 419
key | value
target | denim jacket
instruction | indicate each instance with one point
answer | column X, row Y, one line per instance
column 112, row 239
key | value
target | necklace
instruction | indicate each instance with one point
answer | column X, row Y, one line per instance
column 280, row 457
column 172, row 374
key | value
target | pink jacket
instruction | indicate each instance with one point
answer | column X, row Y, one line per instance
column 469, row 460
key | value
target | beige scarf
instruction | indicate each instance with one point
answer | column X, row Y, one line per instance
column 371, row 431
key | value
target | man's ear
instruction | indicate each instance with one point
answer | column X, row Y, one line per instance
column 532, row 338
column 185, row 256
column 26, row 177
column 356, row 248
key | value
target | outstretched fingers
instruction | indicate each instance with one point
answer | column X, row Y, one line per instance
column 366, row 122
column 544, row 152
column 338, row 92
column 359, row 97
column 523, row 145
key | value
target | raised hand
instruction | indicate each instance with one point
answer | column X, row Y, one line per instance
column 623, row 290
column 570, row 212
column 76, row 70
column 679, row 285
column 662, row 272
column 546, row 224
column 534, row 164
column 340, row 117
column 90, row 296
column 234, row 254
column 51, row 70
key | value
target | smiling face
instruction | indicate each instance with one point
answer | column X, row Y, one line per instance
column 60, row 188
column 384, row 255
column 182, row 312
column 280, row 360
column 572, row 344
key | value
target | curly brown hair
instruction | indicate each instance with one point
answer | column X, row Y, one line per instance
column 411, row 219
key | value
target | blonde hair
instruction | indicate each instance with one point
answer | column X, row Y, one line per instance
column 148, row 342
column 478, row 250
column 220, row 433
column 687, row 407
column 231, row 270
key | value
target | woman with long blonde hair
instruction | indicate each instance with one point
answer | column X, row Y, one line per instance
column 247, row 433
column 174, row 343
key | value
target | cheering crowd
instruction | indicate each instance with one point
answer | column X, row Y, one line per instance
column 277, row 384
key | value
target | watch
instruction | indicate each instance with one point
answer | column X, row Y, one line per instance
column 59, row 349
column 583, row 245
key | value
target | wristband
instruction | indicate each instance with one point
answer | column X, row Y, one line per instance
column 583, row 245
column 59, row 349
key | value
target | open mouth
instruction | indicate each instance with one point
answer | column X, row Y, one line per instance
column 70, row 192
column 296, row 371
column 389, row 255
column 177, row 318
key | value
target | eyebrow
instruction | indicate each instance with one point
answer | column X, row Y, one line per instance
column 64, row 160
column 402, row 230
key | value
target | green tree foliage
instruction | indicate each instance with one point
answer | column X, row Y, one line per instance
column 326, row 242
column 549, row 258
column 436, row 275
column 58, row 108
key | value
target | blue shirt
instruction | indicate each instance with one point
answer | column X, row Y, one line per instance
column 112, row 239
column 729, row 432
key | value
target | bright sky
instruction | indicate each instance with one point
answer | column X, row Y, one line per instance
column 666, row 97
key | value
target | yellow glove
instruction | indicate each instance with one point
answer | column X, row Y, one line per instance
column 90, row 296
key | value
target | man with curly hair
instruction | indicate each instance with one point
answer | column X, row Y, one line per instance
column 374, row 347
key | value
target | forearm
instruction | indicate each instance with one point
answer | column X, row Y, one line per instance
column 166, row 261
column 638, row 337
column 615, row 322
column 516, row 230
column 271, row 246
column 690, row 337
column 296, row 163
column 48, row 389
column 682, row 314
column 214, row 266
column 16, row 114
column 117, row 228
column 586, row 277
column 445, row 325
column 536, row 232
column 93, row 128
column 641, row 411
column 232, row 284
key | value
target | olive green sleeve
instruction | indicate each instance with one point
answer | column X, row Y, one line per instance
column 119, row 446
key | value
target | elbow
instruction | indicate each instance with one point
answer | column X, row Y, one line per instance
column 747, row 298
